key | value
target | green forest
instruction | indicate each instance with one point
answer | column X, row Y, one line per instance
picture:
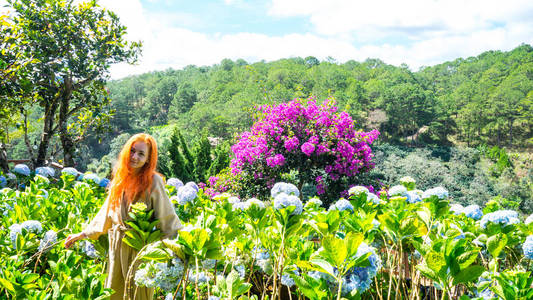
column 436, row 115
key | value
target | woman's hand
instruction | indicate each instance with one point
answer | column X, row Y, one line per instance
column 71, row 239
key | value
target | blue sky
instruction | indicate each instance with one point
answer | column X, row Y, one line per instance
column 177, row 33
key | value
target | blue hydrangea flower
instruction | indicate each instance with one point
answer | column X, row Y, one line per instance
column 242, row 271
column 283, row 187
column 89, row 250
column 456, row 209
column 11, row 176
column 45, row 171
column 70, row 171
column 3, row 181
column 91, row 177
column 175, row 182
column 473, row 211
column 32, row 226
column 343, row 204
column 260, row 254
column 413, row 197
column 163, row 275
column 22, row 169
column 504, row 217
column 193, row 186
column 357, row 190
column 373, row 198
column 104, row 182
column 529, row 219
column 240, row 206
column 287, row 280
column 439, row 191
column 254, row 201
column 528, row 247
column 398, row 190
column 283, row 200
column 360, row 278
column 209, row 263
column 14, row 231
column 200, row 278
column 186, row 194
column 233, row 200
column 213, row 298
column 169, row 296
column 50, row 237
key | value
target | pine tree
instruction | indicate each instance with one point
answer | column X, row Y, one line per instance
column 189, row 159
column 221, row 160
column 178, row 165
column 202, row 159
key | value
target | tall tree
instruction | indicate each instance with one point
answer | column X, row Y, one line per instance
column 73, row 44
column 178, row 165
column 202, row 158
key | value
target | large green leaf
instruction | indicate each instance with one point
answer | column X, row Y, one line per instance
column 469, row 274
column 322, row 266
column 352, row 241
column 435, row 261
column 496, row 243
column 335, row 250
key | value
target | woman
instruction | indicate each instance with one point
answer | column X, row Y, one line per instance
column 134, row 180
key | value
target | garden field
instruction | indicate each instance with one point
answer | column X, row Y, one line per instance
column 398, row 243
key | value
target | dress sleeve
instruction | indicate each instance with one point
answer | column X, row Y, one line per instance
column 169, row 223
column 101, row 223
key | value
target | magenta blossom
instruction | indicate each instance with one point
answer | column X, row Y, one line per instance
column 308, row 148
column 306, row 136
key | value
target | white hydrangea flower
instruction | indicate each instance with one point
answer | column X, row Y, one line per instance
column 357, row 190
column 256, row 202
column 439, row 191
column 283, row 187
column 398, row 190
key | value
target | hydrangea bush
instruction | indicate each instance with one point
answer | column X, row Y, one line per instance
column 365, row 245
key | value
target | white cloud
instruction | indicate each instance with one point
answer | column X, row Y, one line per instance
column 430, row 34
column 338, row 17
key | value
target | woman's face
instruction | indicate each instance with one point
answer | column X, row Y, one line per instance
column 138, row 155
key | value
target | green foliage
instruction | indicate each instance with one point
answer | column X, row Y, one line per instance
column 71, row 46
column 179, row 165
column 463, row 171
column 142, row 227
column 514, row 284
column 221, row 161
column 202, row 158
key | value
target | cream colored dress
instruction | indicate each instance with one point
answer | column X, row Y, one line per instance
column 120, row 254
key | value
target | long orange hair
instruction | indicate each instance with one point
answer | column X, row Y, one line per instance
column 125, row 181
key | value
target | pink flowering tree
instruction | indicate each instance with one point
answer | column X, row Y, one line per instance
column 313, row 139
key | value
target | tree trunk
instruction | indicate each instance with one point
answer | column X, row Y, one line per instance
column 66, row 140
column 68, row 149
column 46, row 136
column 3, row 159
